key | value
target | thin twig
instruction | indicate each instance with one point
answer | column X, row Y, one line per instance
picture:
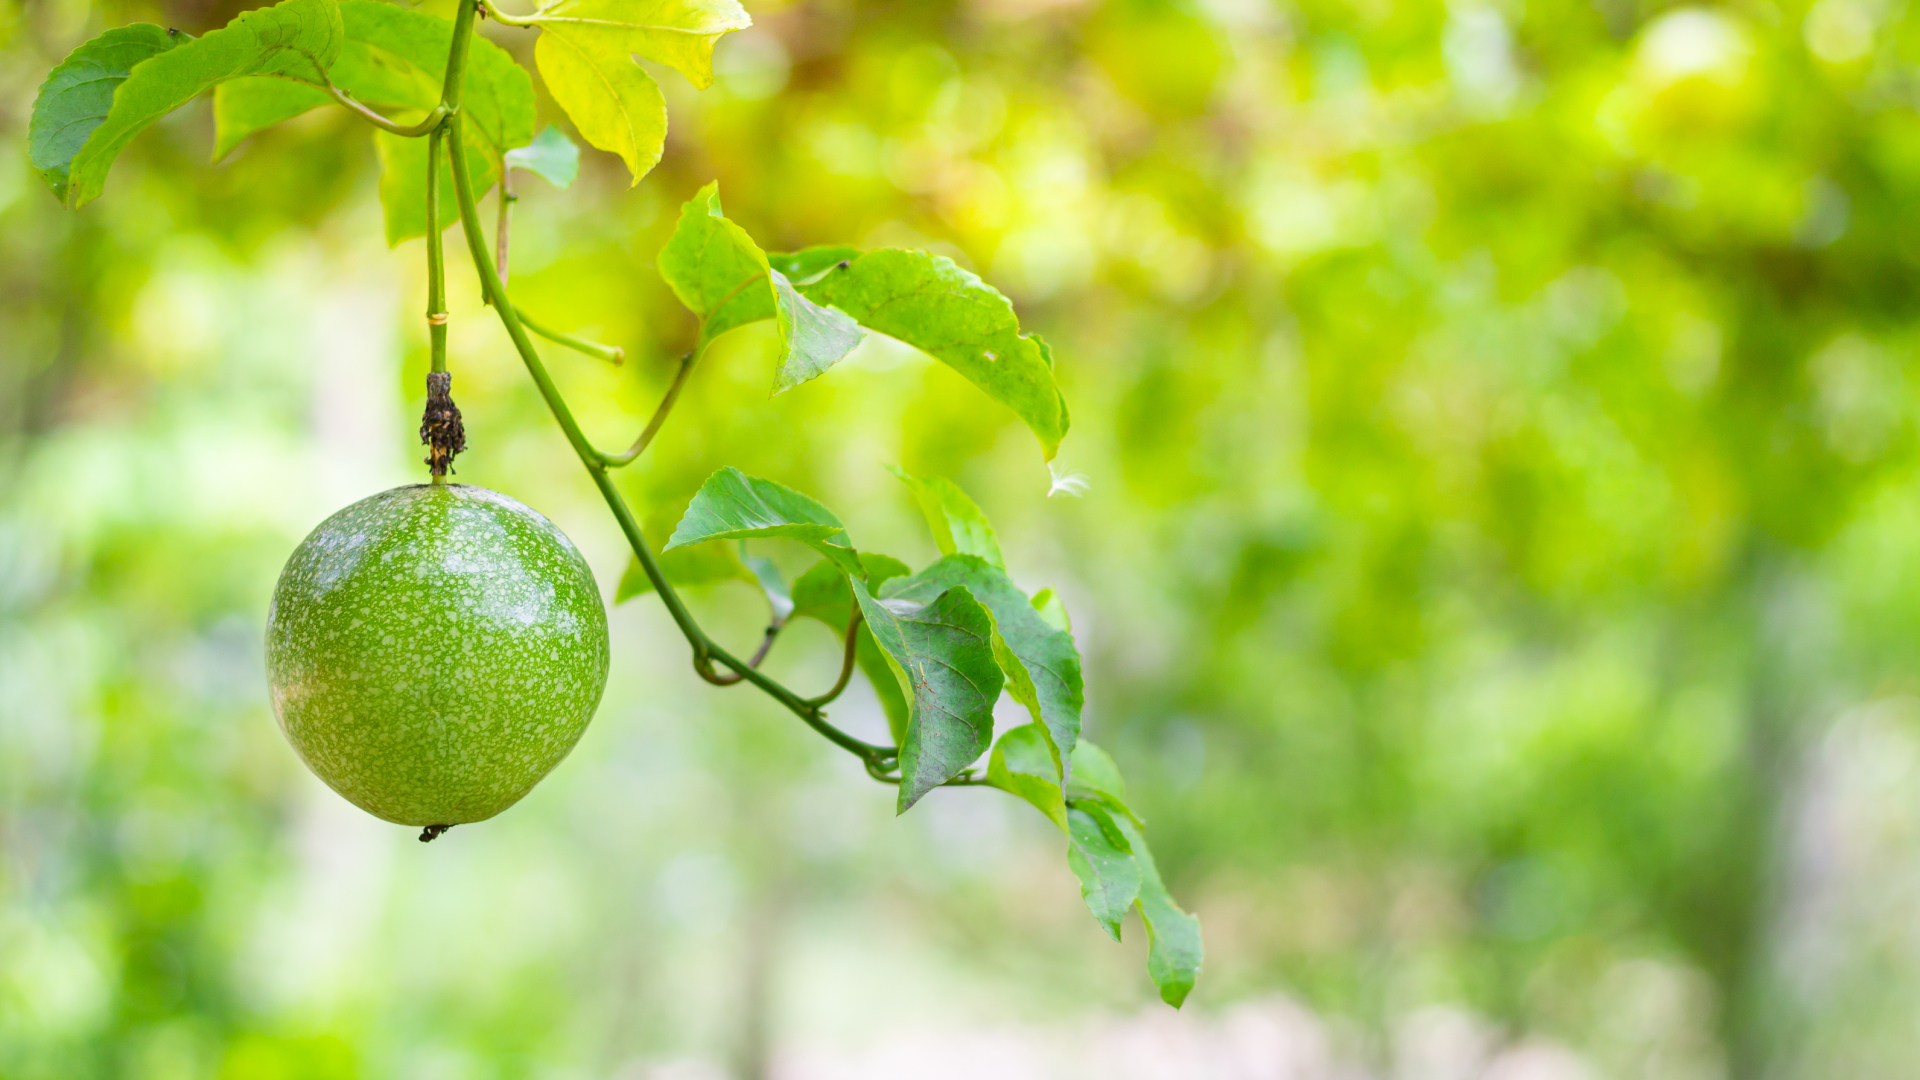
column 612, row 354
column 846, row 662
column 626, row 457
column 766, row 645
column 410, row 131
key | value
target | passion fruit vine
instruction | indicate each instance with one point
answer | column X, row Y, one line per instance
column 434, row 651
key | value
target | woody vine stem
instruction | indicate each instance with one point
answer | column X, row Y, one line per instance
column 881, row 762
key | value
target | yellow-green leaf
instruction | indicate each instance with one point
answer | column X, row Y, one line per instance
column 615, row 105
column 677, row 33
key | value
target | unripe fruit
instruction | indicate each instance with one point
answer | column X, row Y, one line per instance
column 435, row 650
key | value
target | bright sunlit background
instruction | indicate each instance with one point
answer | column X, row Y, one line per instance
column 1499, row 571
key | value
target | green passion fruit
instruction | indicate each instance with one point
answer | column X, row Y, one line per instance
column 434, row 650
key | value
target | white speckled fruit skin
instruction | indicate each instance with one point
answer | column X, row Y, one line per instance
column 434, row 650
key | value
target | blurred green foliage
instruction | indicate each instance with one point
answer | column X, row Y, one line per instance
column 1499, row 422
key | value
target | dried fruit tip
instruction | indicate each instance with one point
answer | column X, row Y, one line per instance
column 432, row 832
column 441, row 430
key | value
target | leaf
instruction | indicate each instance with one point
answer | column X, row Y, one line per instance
column 1048, row 604
column 1022, row 764
column 403, row 184
column 397, row 57
column 1042, row 664
column 722, row 276
column 1095, row 773
column 958, row 525
column 941, row 655
column 298, row 39
column 1099, row 855
column 771, row 582
column 688, row 568
column 806, row 266
column 1175, row 954
column 822, row 592
column 733, row 505
column 615, row 105
column 551, row 155
column 678, row 33
column 931, row 304
column 76, row 96
column 817, row 337
column 879, row 672
column 244, row 106
column 715, row 268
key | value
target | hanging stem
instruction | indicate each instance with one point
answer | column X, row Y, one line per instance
column 436, row 260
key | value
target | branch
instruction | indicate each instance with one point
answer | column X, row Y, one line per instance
column 705, row 650
column 428, row 126
column 612, row 354
column 846, row 662
column 504, row 19
column 626, row 457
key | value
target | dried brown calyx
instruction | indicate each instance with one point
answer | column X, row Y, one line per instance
column 440, row 427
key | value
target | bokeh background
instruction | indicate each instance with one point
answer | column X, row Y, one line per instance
column 1499, row 570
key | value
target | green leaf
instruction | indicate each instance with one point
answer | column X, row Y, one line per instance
column 616, row 106
column 76, row 96
column 928, row 302
column 397, row 57
column 1042, row 664
column 771, row 581
column 1051, row 608
column 886, row 687
column 1176, row 952
column 822, row 592
column 1094, row 773
column 551, row 155
column 941, row 655
column 958, row 525
column 244, row 106
column 1023, row 764
column 403, row 184
column 817, row 337
column 723, row 277
column 298, row 39
column 1099, row 855
column 715, row 268
column 678, row 33
column 806, row 266
column 733, row 505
